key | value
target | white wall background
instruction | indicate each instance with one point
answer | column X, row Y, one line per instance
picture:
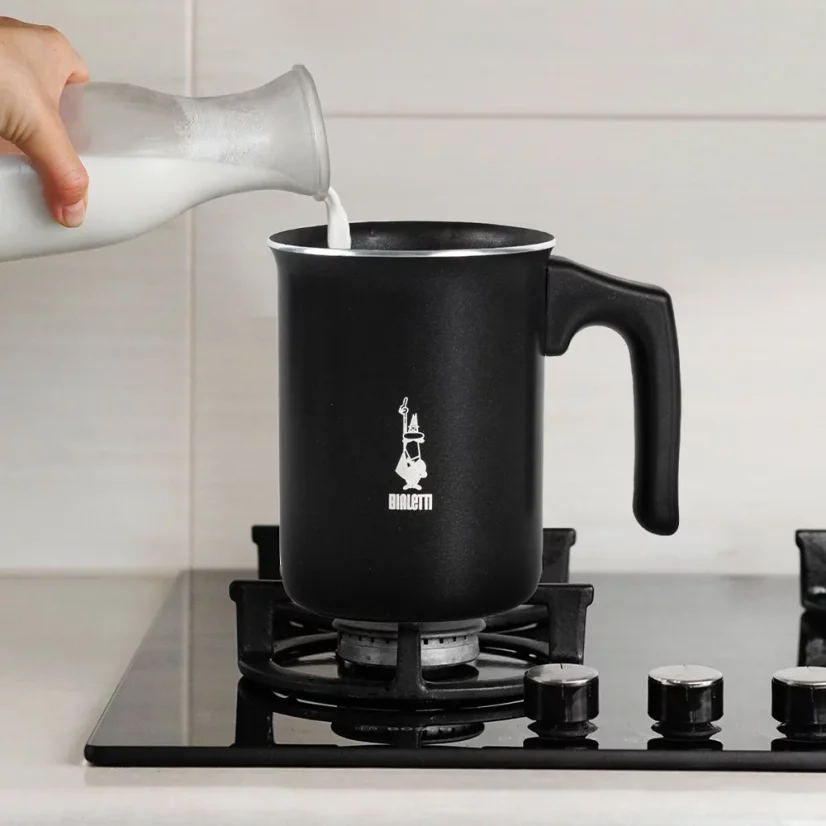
column 666, row 141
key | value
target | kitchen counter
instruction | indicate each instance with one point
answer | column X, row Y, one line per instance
column 59, row 666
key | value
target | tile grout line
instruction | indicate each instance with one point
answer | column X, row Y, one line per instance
column 189, row 58
column 595, row 117
column 186, row 687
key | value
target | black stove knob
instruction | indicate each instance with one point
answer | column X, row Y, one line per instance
column 799, row 702
column 562, row 699
column 685, row 701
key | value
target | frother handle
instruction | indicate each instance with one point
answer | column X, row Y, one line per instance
column 579, row 297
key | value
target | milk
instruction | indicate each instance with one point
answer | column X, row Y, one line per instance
column 128, row 196
column 338, row 226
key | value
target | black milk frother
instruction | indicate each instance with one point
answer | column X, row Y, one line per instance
column 411, row 387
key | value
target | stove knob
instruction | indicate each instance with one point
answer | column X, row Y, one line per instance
column 799, row 702
column 562, row 699
column 685, row 701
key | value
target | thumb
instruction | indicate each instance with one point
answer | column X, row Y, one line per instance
column 64, row 178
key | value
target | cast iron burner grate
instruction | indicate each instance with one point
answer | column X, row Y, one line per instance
column 275, row 662
column 556, row 551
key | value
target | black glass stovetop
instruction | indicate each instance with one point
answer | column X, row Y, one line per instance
column 183, row 701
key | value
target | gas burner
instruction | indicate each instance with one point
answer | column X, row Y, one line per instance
column 556, row 548
column 376, row 643
column 310, row 668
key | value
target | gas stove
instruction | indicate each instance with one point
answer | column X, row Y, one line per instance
column 686, row 672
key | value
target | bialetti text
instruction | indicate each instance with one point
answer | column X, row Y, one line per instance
column 411, row 502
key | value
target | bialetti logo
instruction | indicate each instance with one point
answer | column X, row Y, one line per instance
column 411, row 467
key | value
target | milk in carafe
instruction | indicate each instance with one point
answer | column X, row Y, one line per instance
column 127, row 197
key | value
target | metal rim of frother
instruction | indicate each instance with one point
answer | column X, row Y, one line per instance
column 547, row 244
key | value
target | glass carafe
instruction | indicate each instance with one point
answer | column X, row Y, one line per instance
column 151, row 156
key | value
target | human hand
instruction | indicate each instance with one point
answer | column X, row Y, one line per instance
column 36, row 63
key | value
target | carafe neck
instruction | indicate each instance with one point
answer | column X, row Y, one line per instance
column 276, row 130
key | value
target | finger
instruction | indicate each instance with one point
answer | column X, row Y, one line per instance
column 59, row 64
column 78, row 73
column 64, row 178
column 70, row 72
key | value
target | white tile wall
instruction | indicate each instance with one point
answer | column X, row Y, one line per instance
column 517, row 57
column 664, row 141
column 94, row 384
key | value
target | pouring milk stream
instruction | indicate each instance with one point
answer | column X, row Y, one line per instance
column 338, row 226
column 152, row 156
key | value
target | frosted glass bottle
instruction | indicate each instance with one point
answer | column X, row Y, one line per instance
column 152, row 156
